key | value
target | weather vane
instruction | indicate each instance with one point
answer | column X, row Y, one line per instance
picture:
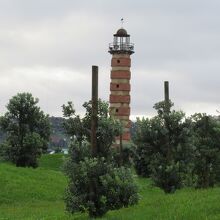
column 122, row 22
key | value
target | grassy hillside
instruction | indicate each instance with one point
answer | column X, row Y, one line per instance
column 52, row 162
column 27, row 193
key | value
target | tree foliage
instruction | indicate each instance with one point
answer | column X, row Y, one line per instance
column 163, row 148
column 177, row 151
column 206, row 132
column 27, row 129
column 96, row 183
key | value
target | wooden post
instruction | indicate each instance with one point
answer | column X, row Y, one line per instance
column 120, row 150
column 167, row 111
column 166, row 96
column 94, row 109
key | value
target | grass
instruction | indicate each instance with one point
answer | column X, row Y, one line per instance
column 52, row 161
column 33, row 194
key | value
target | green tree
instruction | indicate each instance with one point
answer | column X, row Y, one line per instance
column 207, row 142
column 27, row 129
column 163, row 149
column 96, row 183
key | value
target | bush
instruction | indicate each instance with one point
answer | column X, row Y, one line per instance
column 27, row 130
column 142, row 160
column 164, row 151
column 96, row 185
column 97, row 182
column 166, row 175
column 207, row 157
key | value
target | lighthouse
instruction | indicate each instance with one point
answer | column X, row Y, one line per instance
column 121, row 50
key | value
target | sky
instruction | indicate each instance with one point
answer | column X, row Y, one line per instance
column 48, row 47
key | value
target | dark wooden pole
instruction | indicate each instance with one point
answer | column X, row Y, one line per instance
column 94, row 122
column 166, row 96
column 167, row 111
column 94, row 109
column 120, row 150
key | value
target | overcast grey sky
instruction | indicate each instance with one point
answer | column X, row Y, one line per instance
column 47, row 47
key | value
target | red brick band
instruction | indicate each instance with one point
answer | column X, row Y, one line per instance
column 120, row 74
column 120, row 87
column 125, row 136
column 126, row 62
column 119, row 98
column 121, row 111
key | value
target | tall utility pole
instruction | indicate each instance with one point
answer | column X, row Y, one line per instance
column 94, row 121
column 166, row 96
column 167, row 112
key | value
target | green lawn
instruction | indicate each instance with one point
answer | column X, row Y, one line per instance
column 27, row 193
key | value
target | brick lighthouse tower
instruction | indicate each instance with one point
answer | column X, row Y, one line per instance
column 121, row 49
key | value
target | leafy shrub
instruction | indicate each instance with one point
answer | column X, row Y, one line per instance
column 164, row 151
column 27, row 130
column 207, row 157
column 112, row 187
column 142, row 159
column 166, row 175
column 97, row 183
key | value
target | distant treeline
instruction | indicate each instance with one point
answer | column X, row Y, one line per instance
column 58, row 138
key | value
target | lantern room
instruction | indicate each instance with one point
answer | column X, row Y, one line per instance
column 121, row 43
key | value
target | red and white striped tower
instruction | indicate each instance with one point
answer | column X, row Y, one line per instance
column 121, row 49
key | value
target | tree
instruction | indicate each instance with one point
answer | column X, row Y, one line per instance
column 163, row 150
column 207, row 142
column 112, row 185
column 27, row 129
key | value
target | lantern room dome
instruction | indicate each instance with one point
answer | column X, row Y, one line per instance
column 121, row 43
column 121, row 33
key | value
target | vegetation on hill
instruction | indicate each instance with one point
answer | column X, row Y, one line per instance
column 32, row 194
column 172, row 151
column 27, row 130
column 176, row 151
column 98, row 182
column 58, row 139
column 163, row 144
